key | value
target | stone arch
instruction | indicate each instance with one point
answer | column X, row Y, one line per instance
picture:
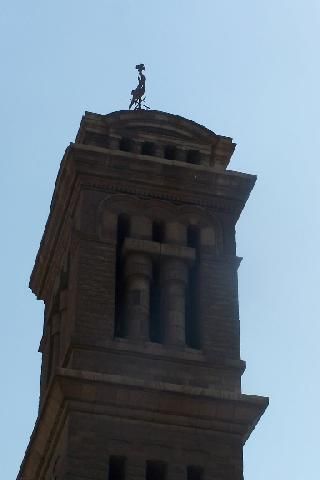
column 114, row 205
column 211, row 231
column 108, row 211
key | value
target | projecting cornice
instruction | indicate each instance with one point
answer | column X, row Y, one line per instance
column 189, row 408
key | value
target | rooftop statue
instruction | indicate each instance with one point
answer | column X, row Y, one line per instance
column 137, row 101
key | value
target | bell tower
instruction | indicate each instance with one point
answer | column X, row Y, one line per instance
column 137, row 267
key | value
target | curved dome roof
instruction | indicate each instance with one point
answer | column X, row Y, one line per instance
column 160, row 122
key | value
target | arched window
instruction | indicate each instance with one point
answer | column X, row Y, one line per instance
column 125, row 144
column 122, row 232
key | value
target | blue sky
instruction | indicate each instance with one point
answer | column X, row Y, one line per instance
column 249, row 70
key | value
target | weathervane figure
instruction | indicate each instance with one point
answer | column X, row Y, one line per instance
column 139, row 91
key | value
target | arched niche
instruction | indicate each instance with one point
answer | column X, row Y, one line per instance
column 157, row 212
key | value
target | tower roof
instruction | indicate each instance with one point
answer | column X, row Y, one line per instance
column 166, row 127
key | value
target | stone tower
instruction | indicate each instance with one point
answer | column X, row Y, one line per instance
column 137, row 267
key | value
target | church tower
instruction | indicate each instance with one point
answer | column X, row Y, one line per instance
column 137, row 267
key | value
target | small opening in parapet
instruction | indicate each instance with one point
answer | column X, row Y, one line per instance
column 125, row 144
column 170, row 152
column 148, row 148
column 193, row 156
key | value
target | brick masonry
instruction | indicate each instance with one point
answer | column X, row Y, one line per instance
column 108, row 387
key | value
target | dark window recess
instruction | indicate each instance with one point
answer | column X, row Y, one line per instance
column 117, row 468
column 148, row 148
column 156, row 334
column 96, row 139
column 192, row 292
column 170, row 152
column 158, row 231
column 122, row 233
column 125, row 144
column 193, row 156
column 194, row 472
column 156, row 470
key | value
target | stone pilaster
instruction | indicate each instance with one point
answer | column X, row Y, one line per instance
column 175, row 233
column 174, row 275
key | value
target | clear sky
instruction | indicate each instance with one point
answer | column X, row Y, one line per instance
column 246, row 69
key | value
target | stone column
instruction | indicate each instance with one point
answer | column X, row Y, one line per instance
column 138, row 271
column 174, row 274
column 175, row 233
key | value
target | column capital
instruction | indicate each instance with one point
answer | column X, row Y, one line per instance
column 138, row 265
column 174, row 270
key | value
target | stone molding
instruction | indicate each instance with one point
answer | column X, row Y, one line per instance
column 193, row 408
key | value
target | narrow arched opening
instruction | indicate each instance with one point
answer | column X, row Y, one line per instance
column 123, row 226
column 192, row 291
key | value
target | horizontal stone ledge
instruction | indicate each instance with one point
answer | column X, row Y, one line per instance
column 177, row 251
column 238, row 178
column 222, row 411
column 137, row 245
column 156, row 249
column 123, row 380
column 159, row 351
